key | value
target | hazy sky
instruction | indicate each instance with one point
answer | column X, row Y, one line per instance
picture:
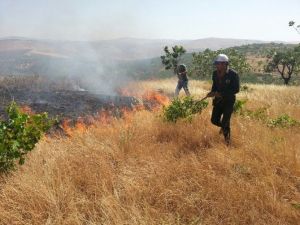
column 174, row 19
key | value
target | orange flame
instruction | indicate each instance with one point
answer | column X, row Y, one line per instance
column 80, row 125
column 104, row 117
column 66, row 127
column 156, row 98
column 151, row 100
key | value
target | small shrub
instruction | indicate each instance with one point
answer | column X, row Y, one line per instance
column 258, row 114
column 18, row 135
column 239, row 105
column 283, row 121
column 183, row 108
column 296, row 205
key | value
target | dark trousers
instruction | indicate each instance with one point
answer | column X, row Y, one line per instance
column 222, row 108
column 182, row 84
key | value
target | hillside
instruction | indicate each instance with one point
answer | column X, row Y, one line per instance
column 124, row 49
column 19, row 56
column 113, row 61
column 255, row 55
column 259, row 49
column 141, row 170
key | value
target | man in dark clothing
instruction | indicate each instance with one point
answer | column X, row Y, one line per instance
column 182, row 80
column 225, row 85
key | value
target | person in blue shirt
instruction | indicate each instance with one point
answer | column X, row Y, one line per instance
column 224, row 87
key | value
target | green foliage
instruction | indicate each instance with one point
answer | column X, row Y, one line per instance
column 152, row 68
column 239, row 105
column 258, row 114
column 203, row 62
column 261, row 49
column 283, row 121
column 183, row 108
column 296, row 27
column 291, row 23
column 296, row 205
column 172, row 58
column 18, row 135
column 285, row 62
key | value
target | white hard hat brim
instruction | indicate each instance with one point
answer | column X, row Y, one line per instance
column 219, row 61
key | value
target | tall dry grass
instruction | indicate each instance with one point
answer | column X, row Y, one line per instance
column 143, row 171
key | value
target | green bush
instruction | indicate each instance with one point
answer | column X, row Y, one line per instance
column 258, row 114
column 283, row 121
column 239, row 105
column 18, row 135
column 183, row 109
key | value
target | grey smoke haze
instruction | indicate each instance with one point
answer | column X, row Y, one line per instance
column 88, row 68
column 95, row 65
column 94, row 71
column 87, row 65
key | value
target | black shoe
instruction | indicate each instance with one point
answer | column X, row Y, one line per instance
column 227, row 138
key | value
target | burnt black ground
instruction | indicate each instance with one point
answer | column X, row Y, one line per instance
column 66, row 104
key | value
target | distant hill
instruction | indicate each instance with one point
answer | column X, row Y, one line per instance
column 103, row 60
column 216, row 43
column 259, row 49
column 118, row 49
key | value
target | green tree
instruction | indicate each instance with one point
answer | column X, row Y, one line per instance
column 296, row 27
column 203, row 62
column 18, row 135
column 286, row 63
column 172, row 58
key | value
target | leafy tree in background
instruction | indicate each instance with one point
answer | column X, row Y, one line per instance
column 203, row 62
column 286, row 63
column 172, row 58
column 296, row 27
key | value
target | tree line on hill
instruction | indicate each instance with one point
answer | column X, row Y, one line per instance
column 284, row 60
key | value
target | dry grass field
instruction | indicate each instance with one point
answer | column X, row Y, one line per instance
column 141, row 170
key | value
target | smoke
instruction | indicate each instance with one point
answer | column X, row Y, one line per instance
column 96, row 70
column 86, row 66
column 64, row 46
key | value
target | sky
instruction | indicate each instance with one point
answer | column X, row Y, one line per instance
column 92, row 20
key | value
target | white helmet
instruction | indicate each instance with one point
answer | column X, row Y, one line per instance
column 222, row 58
